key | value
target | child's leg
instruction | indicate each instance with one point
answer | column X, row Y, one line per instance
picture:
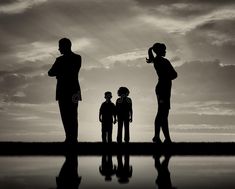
column 110, row 130
column 127, row 133
column 103, row 133
column 119, row 133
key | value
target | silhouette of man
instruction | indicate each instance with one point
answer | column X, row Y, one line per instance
column 166, row 74
column 68, row 176
column 68, row 93
column 107, row 168
column 164, row 179
column 124, row 172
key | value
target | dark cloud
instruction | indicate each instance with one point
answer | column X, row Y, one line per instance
column 213, row 40
column 18, row 86
column 205, row 81
column 219, row 32
column 7, row 2
column 52, row 20
column 151, row 3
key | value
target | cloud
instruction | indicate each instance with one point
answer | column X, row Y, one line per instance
column 23, row 88
column 176, row 25
column 43, row 50
column 205, row 81
column 18, row 6
column 218, row 32
column 98, row 28
column 124, row 57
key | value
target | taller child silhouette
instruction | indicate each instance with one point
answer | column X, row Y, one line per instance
column 68, row 93
column 124, row 113
column 166, row 74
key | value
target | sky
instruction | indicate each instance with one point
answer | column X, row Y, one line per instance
column 113, row 37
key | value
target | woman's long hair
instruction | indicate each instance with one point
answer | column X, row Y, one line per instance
column 158, row 48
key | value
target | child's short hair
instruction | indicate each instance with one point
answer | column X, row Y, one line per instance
column 123, row 91
column 108, row 94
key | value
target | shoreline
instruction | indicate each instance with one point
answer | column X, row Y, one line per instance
column 132, row 148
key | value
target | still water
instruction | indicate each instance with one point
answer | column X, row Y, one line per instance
column 85, row 172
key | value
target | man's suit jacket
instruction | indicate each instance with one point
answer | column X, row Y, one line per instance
column 66, row 69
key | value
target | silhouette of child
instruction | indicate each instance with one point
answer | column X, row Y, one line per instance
column 107, row 116
column 124, row 113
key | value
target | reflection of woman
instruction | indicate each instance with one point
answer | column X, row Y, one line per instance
column 166, row 74
column 163, row 180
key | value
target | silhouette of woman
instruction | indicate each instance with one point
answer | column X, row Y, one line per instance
column 166, row 74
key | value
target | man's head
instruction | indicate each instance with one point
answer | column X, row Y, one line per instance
column 65, row 46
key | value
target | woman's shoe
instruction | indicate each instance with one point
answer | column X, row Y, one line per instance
column 167, row 141
column 157, row 140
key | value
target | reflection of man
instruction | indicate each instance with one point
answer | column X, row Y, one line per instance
column 68, row 177
column 164, row 179
column 124, row 172
column 107, row 168
column 65, row 69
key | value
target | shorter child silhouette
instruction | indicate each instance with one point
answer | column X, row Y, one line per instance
column 107, row 117
column 124, row 113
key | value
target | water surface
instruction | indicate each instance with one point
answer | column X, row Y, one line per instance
column 85, row 172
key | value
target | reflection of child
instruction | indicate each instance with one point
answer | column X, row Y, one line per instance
column 124, row 113
column 107, row 117
column 107, row 168
column 124, row 171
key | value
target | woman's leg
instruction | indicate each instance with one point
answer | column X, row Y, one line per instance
column 157, row 125
column 157, row 122
column 165, row 125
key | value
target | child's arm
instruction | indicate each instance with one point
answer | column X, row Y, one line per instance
column 130, row 112
column 116, row 109
column 114, row 114
column 100, row 114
